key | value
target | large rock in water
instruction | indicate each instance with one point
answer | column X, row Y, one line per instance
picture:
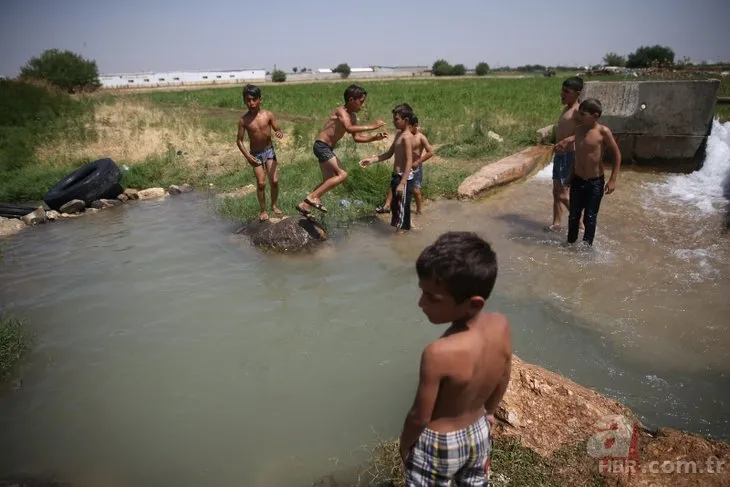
column 290, row 234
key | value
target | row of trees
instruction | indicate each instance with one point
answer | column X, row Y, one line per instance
column 644, row 57
column 443, row 68
column 73, row 73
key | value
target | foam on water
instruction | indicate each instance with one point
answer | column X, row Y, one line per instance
column 705, row 190
column 546, row 173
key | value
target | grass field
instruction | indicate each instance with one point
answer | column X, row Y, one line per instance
column 167, row 137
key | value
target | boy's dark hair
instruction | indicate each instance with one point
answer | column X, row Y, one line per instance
column 574, row 83
column 462, row 262
column 354, row 91
column 592, row 106
column 403, row 110
column 253, row 91
column 413, row 119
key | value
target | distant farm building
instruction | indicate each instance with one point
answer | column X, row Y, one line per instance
column 178, row 78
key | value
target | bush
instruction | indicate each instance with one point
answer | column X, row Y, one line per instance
column 458, row 70
column 482, row 69
column 278, row 76
column 613, row 59
column 441, row 68
column 651, row 56
column 63, row 69
column 343, row 69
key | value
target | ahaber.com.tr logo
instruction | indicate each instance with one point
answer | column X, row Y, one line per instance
column 615, row 443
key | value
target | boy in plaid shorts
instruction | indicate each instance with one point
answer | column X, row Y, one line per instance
column 464, row 373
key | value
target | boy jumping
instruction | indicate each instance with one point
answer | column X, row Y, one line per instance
column 257, row 124
column 463, row 374
column 564, row 156
column 422, row 151
column 342, row 120
column 401, row 183
column 587, row 180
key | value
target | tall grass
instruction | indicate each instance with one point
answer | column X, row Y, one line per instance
column 13, row 344
column 32, row 115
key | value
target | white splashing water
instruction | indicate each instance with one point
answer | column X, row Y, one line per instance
column 705, row 190
column 546, row 173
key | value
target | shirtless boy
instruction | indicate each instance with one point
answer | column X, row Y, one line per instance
column 422, row 151
column 257, row 123
column 564, row 156
column 587, row 180
column 401, row 182
column 464, row 373
column 342, row 120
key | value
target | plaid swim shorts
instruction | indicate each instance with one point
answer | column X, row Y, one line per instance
column 461, row 456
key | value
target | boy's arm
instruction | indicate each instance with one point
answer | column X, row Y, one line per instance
column 408, row 147
column 382, row 157
column 239, row 142
column 492, row 403
column 562, row 145
column 275, row 126
column 613, row 146
column 362, row 139
column 427, row 151
column 420, row 413
column 344, row 118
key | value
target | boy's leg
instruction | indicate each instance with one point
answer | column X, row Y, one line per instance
column 408, row 196
column 273, row 172
column 332, row 174
column 594, row 195
column 260, row 173
column 577, row 204
column 417, row 183
column 388, row 201
column 398, row 203
column 561, row 171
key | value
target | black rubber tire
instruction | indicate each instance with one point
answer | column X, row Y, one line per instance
column 94, row 181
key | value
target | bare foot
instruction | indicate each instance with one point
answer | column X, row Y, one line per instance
column 276, row 210
column 555, row 227
column 263, row 216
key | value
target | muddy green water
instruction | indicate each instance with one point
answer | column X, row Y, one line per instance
column 170, row 352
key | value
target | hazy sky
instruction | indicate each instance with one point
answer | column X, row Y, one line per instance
column 158, row 35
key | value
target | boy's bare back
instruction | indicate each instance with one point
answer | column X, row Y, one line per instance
column 590, row 146
column 472, row 362
column 258, row 129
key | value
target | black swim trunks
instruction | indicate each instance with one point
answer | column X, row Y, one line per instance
column 322, row 151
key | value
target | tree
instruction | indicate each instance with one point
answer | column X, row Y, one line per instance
column 278, row 76
column 441, row 68
column 458, row 70
column 613, row 59
column 482, row 69
column 294, row 69
column 651, row 56
column 343, row 69
column 63, row 69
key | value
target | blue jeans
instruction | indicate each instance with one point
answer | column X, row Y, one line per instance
column 585, row 197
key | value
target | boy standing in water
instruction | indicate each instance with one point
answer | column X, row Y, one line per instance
column 420, row 144
column 401, row 183
column 342, row 120
column 463, row 374
column 564, row 156
column 587, row 180
column 257, row 124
